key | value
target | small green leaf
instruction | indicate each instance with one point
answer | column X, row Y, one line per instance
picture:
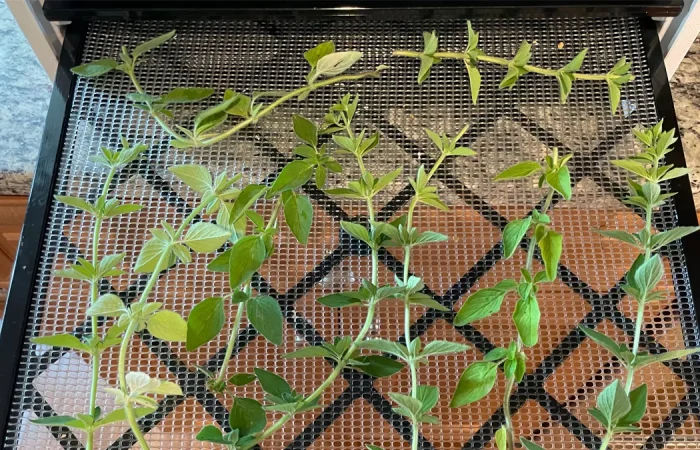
column 560, row 181
column 247, row 416
column 312, row 56
column 338, row 301
column 62, row 340
column 305, row 130
column 206, row 237
column 613, row 403
column 294, row 174
column 378, row 366
column 527, row 320
column 95, row 68
column 676, row 172
column 664, row 238
column 246, row 257
column 357, row 231
column 187, row 95
column 385, row 346
column 373, row 447
column 242, row 379
column 633, row 166
column 604, row 341
column 335, row 64
column 272, row 383
column 210, row 433
column 614, row 93
column 513, row 233
column 247, row 197
column 475, row 383
column 153, row 43
column 430, row 42
column 520, row 170
column 620, row 236
column 434, row 348
column 299, row 214
column 643, row 361
column 76, row 202
column 474, row 80
column 265, row 315
column 529, row 445
column 648, row 274
column 205, row 322
column 168, row 326
column 576, row 63
column 195, row 176
column 638, row 406
column 426, row 63
column 151, row 254
column 107, row 305
column 479, row 305
column 54, row 420
column 119, row 415
column 551, row 247
column 501, row 438
column 429, row 237
column 240, row 106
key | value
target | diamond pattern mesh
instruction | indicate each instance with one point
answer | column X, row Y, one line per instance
column 565, row 371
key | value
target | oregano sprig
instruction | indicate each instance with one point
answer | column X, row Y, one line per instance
column 619, row 407
column 480, row 377
column 421, row 399
column 327, row 67
column 94, row 272
column 517, row 66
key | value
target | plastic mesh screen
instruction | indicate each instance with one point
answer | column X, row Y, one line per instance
column 565, row 371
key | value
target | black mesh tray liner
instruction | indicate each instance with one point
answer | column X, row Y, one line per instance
column 566, row 371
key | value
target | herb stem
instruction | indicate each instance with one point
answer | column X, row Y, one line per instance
column 510, row 381
column 94, row 294
column 606, row 440
column 131, row 329
column 640, row 302
column 275, row 212
column 501, row 62
column 412, row 363
column 288, row 96
column 232, row 339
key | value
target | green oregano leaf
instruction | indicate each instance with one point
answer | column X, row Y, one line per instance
column 638, row 406
column 377, row 366
column 187, row 95
column 206, row 237
column 272, row 383
column 205, row 322
column 167, row 326
column 513, row 233
column 335, row 64
column 62, row 340
column 299, row 214
column 246, row 257
column 551, row 247
column 242, row 379
column 95, row 68
column 210, row 433
column 294, row 175
column 152, row 44
column 247, row 416
column 501, row 438
column 305, row 130
column 107, row 305
column 151, row 253
column 646, row 360
column 197, row 177
column 265, row 315
column 520, row 170
column 479, row 305
column 312, row 56
column 474, row 80
column 527, row 320
column 560, row 181
column 475, row 383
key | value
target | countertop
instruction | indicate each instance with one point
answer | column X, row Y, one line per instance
column 24, row 99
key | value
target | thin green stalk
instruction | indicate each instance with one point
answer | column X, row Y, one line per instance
column 606, row 440
column 232, row 340
column 413, row 368
column 129, row 333
column 154, row 114
column 640, row 306
column 510, row 381
column 369, row 319
column 290, row 95
column 501, row 62
column 94, row 294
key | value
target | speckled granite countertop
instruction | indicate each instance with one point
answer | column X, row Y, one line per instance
column 24, row 98
column 686, row 96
